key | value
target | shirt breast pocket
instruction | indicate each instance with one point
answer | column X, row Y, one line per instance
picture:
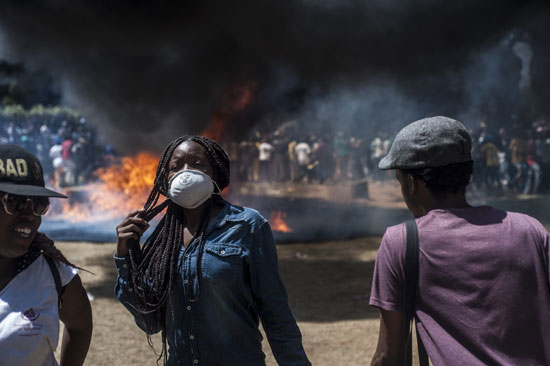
column 222, row 264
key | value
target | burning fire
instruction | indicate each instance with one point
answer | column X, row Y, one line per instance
column 121, row 188
column 124, row 186
column 278, row 223
column 234, row 101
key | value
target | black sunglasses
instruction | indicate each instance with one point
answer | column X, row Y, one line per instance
column 14, row 204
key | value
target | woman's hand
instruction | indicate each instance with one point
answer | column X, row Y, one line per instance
column 131, row 228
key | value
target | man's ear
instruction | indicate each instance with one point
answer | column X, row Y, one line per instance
column 411, row 184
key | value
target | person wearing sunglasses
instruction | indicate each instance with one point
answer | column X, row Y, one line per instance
column 38, row 285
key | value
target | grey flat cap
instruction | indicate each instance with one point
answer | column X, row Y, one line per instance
column 429, row 143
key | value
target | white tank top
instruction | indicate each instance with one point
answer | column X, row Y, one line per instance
column 29, row 316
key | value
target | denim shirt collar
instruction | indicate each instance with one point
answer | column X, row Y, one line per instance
column 228, row 213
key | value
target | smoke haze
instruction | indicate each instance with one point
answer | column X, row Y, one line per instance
column 147, row 72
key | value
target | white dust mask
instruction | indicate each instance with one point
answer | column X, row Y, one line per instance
column 190, row 188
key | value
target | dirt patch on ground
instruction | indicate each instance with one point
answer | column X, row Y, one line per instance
column 328, row 286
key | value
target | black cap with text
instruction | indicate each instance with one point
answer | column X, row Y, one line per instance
column 21, row 173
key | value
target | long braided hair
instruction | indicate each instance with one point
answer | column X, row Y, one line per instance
column 46, row 246
column 42, row 244
column 153, row 268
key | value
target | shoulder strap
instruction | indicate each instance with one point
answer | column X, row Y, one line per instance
column 411, row 268
column 412, row 254
column 56, row 278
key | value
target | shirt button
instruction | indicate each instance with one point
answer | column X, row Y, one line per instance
column 222, row 252
column 124, row 265
column 188, row 307
column 195, row 361
column 130, row 290
column 191, row 337
column 185, row 282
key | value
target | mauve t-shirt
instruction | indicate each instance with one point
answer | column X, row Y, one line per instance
column 484, row 286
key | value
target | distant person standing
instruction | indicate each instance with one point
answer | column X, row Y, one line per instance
column 292, row 161
column 245, row 165
column 533, row 174
column 323, row 154
column 518, row 153
column 341, row 157
column 377, row 152
column 491, row 174
column 57, row 162
column 542, row 144
column 303, row 156
column 279, row 160
column 68, row 161
column 483, row 294
column 265, row 150
column 359, row 169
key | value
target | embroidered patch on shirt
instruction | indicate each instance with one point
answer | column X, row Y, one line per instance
column 30, row 315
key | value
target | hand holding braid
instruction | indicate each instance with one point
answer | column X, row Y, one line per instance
column 153, row 268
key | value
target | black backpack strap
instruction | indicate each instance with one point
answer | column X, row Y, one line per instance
column 412, row 266
column 56, row 278
column 411, row 279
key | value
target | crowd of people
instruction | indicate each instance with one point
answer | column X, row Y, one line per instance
column 513, row 159
column 312, row 158
column 66, row 145
column 517, row 158
column 510, row 159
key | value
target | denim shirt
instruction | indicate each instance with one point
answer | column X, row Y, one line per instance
column 240, row 285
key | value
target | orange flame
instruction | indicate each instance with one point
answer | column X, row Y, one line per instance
column 121, row 188
column 278, row 223
column 216, row 128
column 234, row 101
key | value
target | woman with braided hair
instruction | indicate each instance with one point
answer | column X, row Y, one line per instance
column 208, row 273
column 38, row 285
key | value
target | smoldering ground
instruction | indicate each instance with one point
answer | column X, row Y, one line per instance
column 145, row 72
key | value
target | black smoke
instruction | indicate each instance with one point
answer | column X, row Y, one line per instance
column 148, row 71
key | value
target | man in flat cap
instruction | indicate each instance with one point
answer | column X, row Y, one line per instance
column 483, row 285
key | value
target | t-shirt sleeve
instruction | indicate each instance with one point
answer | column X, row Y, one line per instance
column 388, row 277
column 66, row 273
column 547, row 247
column 543, row 235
